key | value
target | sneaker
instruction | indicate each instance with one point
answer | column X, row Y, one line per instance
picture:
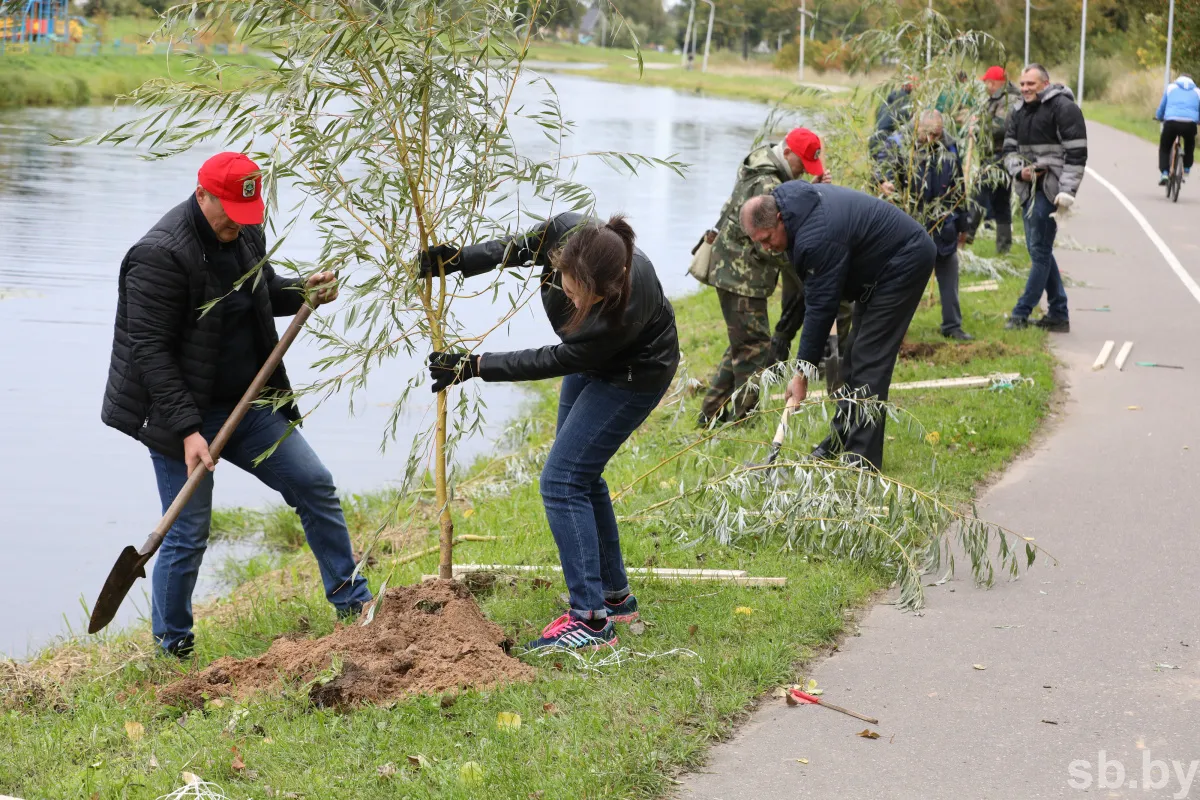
column 570, row 633
column 1162, row 179
column 959, row 334
column 1054, row 324
column 1016, row 324
column 624, row 611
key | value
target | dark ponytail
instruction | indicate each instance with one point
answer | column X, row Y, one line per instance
column 599, row 259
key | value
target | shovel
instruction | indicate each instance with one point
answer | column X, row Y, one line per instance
column 131, row 564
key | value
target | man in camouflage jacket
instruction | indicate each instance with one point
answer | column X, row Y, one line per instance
column 745, row 275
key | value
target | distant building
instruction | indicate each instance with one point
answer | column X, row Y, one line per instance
column 593, row 23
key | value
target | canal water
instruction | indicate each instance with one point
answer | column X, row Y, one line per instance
column 74, row 492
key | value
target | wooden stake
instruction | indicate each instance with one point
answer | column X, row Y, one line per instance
column 1124, row 354
column 736, row 577
column 1105, row 352
column 428, row 551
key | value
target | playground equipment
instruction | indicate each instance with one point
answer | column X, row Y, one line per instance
column 39, row 21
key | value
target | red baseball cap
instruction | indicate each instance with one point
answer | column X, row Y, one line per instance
column 807, row 145
column 994, row 74
column 237, row 182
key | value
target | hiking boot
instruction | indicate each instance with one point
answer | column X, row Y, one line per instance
column 1016, row 324
column 1054, row 324
column 624, row 611
column 1003, row 238
column 569, row 633
column 958, row 334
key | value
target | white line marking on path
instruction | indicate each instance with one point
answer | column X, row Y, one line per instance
column 1157, row 240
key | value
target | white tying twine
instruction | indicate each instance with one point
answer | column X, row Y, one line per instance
column 195, row 787
column 599, row 660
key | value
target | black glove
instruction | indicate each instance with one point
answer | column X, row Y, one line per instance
column 447, row 369
column 448, row 253
column 780, row 349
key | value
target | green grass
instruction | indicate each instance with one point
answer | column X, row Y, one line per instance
column 620, row 734
column 1136, row 120
column 52, row 80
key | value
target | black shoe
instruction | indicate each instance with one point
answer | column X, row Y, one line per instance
column 349, row 613
column 960, row 335
column 823, row 452
column 1016, row 324
column 183, row 650
column 1054, row 324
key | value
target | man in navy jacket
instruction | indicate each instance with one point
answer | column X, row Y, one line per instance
column 846, row 244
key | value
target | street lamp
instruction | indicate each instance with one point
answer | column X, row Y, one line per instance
column 1082, row 52
column 712, row 10
column 1170, row 36
column 804, row 15
column 687, row 33
column 1027, row 32
column 929, row 36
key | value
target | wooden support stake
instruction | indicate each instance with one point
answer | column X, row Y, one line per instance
column 1124, row 354
column 966, row 382
column 1105, row 352
column 428, row 551
column 734, row 576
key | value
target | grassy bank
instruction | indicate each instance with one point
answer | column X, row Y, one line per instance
column 83, row 721
column 1132, row 119
column 49, row 80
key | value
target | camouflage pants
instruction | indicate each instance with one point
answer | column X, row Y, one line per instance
column 749, row 352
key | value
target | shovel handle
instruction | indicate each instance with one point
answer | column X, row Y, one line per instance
column 198, row 474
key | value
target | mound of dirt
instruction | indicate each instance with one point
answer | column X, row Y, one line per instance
column 424, row 639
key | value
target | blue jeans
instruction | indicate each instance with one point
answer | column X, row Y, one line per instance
column 295, row 472
column 594, row 420
column 1044, row 276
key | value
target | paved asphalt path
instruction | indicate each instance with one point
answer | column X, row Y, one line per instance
column 1114, row 494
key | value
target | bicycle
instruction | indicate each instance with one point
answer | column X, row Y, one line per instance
column 1175, row 175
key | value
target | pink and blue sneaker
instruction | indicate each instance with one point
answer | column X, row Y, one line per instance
column 624, row 611
column 569, row 633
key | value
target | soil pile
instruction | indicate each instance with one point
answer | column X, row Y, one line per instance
column 424, row 639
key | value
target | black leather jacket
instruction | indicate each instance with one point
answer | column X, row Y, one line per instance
column 639, row 353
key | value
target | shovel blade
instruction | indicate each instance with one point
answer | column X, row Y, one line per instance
column 130, row 566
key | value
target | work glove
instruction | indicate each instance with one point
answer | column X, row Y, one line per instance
column 780, row 349
column 448, row 253
column 447, row 369
column 1062, row 204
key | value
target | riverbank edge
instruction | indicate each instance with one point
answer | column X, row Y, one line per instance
column 41, row 80
column 674, row 709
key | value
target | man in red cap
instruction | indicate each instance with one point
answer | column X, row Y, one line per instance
column 745, row 275
column 995, row 196
column 177, row 370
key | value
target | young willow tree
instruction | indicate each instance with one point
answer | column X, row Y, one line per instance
column 394, row 121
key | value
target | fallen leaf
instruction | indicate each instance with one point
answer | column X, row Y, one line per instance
column 189, row 778
column 237, row 765
column 637, row 627
column 744, row 610
column 810, row 685
column 867, row 733
column 217, row 702
column 470, row 774
column 268, row 740
column 933, row 437
column 134, row 730
column 979, row 666
column 386, row 770
column 801, row 760
column 558, row 666
column 251, row 775
column 95, row 796
column 538, row 795
column 1161, row 667
column 1049, row 722
column 469, row 512
column 1133, row 408
column 1140, row 744
column 550, row 708
column 692, row 630
column 418, row 761
column 153, row 763
column 779, row 691
column 508, row 720
column 791, row 699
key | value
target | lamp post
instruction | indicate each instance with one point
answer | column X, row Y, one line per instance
column 1082, row 52
column 687, row 33
column 929, row 35
column 803, row 23
column 1170, row 37
column 712, row 10
column 1027, row 32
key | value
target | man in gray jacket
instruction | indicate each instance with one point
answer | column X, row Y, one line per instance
column 1045, row 151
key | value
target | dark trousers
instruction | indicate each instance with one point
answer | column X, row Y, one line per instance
column 594, row 420
column 749, row 352
column 996, row 200
column 946, row 270
column 1040, row 230
column 880, row 323
column 1170, row 130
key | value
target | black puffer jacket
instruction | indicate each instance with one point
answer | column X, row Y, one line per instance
column 640, row 353
column 841, row 243
column 165, row 352
column 1050, row 133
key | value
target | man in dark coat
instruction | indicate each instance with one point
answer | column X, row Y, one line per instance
column 179, row 367
column 848, row 245
column 924, row 177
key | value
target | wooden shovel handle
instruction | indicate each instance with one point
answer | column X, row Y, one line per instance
column 235, row 418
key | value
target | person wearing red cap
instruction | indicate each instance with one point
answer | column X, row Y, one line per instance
column 995, row 195
column 745, row 275
column 193, row 327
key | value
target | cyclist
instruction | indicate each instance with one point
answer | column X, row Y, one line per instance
column 1179, row 111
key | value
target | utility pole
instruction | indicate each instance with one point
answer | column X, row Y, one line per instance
column 1170, row 36
column 803, row 22
column 1082, row 52
column 929, row 35
column 779, row 42
column 1027, row 32
column 712, row 10
column 687, row 33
